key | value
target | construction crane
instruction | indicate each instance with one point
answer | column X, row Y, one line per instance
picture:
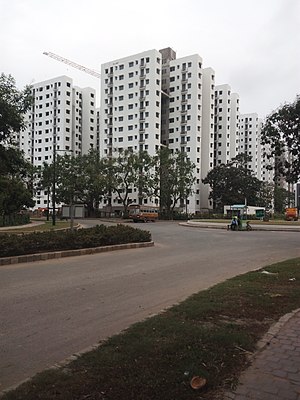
column 72, row 64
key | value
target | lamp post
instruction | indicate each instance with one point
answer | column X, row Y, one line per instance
column 54, row 185
column 54, row 182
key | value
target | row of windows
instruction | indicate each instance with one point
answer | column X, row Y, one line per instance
column 184, row 77
column 131, row 127
column 172, row 99
column 130, row 138
column 184, row 66
column 141, row 62
column 130, row 96
column 130, row 107
column 141, row 73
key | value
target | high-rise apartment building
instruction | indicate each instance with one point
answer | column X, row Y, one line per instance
column 153, row 99
column 130, row 116
column 62, row 116
column 249, row 135
column 207, row 133
column 226, row 124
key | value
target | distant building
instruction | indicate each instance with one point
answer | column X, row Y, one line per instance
column 62, row 115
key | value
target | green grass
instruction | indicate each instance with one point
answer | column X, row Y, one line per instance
column 253, row 221
column 46, row 226
column 209, row 334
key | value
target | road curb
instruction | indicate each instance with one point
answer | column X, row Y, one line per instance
column 256, row 228
column 70, row 253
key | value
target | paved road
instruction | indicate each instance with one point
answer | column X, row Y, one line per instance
column 54, row 308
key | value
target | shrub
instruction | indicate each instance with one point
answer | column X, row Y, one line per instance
column 100, row 235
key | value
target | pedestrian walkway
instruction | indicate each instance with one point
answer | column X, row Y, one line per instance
column 275, row 369
column 256, row 227
column 32, row 223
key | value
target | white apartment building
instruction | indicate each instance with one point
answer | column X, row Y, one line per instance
column 207, row 134
column 130, row 115
column 234, row 124
column 226, row 124
column 130, row 112
column 249, row 144
column 153, row 99
column 62, row 115
column 185, row 116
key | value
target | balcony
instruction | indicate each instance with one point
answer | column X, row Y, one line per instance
column 143, row 98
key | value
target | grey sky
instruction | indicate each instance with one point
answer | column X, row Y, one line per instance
column 253, row 45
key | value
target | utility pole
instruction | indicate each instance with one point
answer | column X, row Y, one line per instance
column 54, row 181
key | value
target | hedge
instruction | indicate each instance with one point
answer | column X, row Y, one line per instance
column 100, row 235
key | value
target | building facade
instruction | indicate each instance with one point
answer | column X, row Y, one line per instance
column 62, row 117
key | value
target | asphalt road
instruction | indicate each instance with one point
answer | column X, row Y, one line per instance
column 54, row 308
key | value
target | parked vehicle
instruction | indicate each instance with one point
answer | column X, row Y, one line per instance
column 291, row 214
column 142, row 213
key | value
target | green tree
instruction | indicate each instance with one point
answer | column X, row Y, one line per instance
column 281, row 199
column 173, row 179
column 78, row 179
column 16, row 178
column 265, row 196
column 233, row 183
column 128, row 171
column 13, row 105
column 281, row 133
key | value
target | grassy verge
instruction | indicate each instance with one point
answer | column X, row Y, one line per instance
column 209, row 334
column 60, row 240
column 46, row 226
column 253, row 221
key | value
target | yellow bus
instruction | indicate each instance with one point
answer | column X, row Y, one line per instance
column 142, row 213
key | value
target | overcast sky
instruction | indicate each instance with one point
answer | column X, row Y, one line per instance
column 253, row 45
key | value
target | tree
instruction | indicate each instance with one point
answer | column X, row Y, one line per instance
column 13, row 105
column 281, row 199
column 173, row 180
column 232, row 183
column 281, row 133
column 78, row 179
column 15, row 172
column 126, row 171
column 265, row 196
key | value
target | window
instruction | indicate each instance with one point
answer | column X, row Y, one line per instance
column 131, row 64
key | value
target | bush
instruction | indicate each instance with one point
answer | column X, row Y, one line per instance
column 14, row 219
column 100, row 235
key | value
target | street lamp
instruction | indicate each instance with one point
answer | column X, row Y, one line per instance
column 54, row 182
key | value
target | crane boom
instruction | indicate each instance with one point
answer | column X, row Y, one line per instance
column 72, row 64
